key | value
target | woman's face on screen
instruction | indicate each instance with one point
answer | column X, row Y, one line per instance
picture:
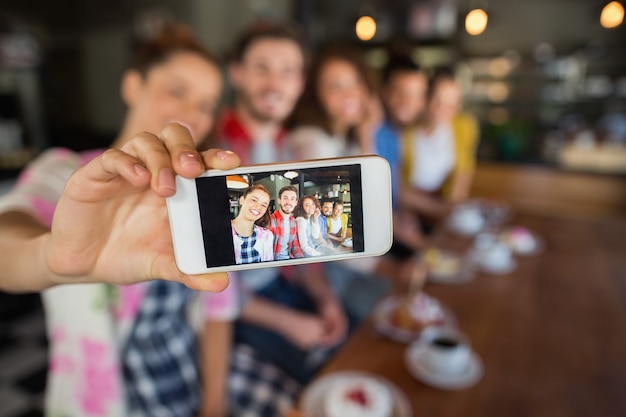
column 254, row 205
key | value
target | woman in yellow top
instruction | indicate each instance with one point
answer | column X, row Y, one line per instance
column 337, row 224
column 438, row 156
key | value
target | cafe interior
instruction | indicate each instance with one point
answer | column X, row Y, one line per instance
column 520, row 308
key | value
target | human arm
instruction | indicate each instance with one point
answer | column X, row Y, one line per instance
column 267, row 245
column 466, row 133
column 216, row 343
column 424, row 204
column 372, row 119
column 315, row 226
column 219, row 311
column 344, row 226
column 335, row 238
column 461, row 186
column 302, row 225
column 303, row 329
column 329, row 308
column 112, row 207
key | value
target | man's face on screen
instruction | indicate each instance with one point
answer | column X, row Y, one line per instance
column 327, row 208
column 287, row 201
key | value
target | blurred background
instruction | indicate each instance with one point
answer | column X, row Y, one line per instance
column 545, row 78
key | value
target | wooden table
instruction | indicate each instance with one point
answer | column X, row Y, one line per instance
column 551, row 335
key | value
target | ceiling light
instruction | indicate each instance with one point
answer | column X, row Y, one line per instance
column 365, row 28
column 476, row 21
column 612, row 15
column 236, row 182
column 290, row 174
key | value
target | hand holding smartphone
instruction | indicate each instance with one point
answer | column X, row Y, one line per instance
column 281, row 214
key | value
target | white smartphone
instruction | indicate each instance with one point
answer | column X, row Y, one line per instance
column 281, row 214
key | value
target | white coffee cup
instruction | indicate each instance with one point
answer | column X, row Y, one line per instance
column 467, row 219
column 484, row 241
column 447, row 352
column 497, row 256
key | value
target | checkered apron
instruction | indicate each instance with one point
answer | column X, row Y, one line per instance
column 160, row 358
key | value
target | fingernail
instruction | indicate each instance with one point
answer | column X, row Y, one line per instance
column 166, row 179
column 224, row 154
column 140, row 170
column 189, row 158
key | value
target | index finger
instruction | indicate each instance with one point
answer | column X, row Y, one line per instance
column 186, row 160
column 220, row 159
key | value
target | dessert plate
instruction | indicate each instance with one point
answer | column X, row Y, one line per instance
column 381, row 317
column 312, row 400
column 459, row 269
column 417, row 365
column 536, row 249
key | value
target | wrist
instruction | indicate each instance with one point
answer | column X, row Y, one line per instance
column 31, row 267
column 54, row 267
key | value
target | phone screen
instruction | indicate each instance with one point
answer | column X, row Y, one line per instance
column 280, row 215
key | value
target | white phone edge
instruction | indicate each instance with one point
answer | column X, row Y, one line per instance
column 186, row 230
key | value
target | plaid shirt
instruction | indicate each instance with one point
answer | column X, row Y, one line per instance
column 248, row 253
column 160, row 359
column 257, row 387
column 276, row 226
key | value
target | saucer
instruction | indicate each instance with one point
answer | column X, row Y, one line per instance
column 381, row 318
column 414, row 358
column 499, row 270
column 464, row 230
column 312, row 400
column 474, row 256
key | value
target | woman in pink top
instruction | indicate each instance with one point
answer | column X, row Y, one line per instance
column 252, row 241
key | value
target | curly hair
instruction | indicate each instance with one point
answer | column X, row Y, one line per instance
column 299, row 210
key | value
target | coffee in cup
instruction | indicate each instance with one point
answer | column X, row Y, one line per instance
column 447, row 352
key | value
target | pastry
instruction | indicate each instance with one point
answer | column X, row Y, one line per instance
column 358, row 397
column 419, row 312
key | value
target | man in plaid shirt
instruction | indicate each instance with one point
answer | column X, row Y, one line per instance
column 283, row 225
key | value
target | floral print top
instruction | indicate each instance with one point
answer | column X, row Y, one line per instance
column 88, row 323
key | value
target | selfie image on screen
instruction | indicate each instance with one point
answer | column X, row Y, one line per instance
column 268, row 216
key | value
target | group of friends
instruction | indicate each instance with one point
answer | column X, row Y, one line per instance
column 299, row 228
column 132, row 335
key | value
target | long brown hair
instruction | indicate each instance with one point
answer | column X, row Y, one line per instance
column 299, row 210
column 264, row 221
column 309, row 110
